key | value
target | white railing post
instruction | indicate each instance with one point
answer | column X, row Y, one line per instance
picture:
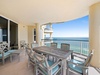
column 81, row 47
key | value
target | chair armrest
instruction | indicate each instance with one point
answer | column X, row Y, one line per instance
column 77, row 55
column 54, row 65
column 1, row 51
column 9, row 48
column 77, row 65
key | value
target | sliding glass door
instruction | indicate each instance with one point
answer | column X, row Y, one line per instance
column 9, row 32
column 13, row 34
column 3, row 29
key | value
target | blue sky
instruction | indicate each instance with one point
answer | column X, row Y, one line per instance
column 74, row 28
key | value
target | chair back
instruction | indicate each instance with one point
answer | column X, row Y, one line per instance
column 88, row 60
column 45, row 66
column 41, row 61
column 4, row 47
column 26, row 45
column 54, row 45
column 34, row 45
column 1, row 48
column 30, row 52
column 22, row 43
column 65, row 46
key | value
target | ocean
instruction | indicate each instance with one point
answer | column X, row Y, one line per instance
column 77, row 44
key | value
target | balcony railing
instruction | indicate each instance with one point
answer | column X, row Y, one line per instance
column 80, row 47
column 48, row 30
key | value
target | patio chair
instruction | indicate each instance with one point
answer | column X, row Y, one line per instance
column 30, row 54
column 6, row 48
column 54, row 45
column 3, row 54
column 79, row 67
column 22, row 43
column 65, row 46
column 34, row 45
column 46, row 67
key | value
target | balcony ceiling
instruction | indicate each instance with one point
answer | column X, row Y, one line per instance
column 29, row 12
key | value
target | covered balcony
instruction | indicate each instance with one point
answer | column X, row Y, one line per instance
column 20, row 27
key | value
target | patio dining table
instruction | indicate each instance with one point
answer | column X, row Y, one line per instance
column 62, row 54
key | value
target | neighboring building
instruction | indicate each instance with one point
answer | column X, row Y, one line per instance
column 47, row 33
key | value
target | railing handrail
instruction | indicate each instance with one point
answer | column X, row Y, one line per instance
column 86, row 41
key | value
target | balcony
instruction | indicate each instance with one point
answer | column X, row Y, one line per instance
column 45, row 41
column 48, row 30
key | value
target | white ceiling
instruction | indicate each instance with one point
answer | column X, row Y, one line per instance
column 29, row 12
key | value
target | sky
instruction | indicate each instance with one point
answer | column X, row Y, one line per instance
column 74, row 28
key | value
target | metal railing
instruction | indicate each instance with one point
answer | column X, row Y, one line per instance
column 80, row 47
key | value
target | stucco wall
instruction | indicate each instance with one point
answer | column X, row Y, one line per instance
column 94, row 36
column 22, row 33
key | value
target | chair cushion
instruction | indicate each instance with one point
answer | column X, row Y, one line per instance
column 74, row 67
column 54, row 70
column 11, row 51
column 5, row 55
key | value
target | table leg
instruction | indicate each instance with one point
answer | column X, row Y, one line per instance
column 64, row 65
column 72, row 55
column 19, row 57
column 11, row 58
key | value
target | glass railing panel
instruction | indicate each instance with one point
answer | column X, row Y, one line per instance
column 77, row 46
column 85, row 48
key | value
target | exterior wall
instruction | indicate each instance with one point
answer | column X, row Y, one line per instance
column 94, row 35
column 26, row 33
column 31, row 34
column 22, row 33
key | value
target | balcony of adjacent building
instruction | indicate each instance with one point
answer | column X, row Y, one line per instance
column 48, row 28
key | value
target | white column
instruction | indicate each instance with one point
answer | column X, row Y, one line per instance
column 42, row 41
column 50, row 25
column 94, row 33
column 50, row 35
column 39, row 34
column 8, row 33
